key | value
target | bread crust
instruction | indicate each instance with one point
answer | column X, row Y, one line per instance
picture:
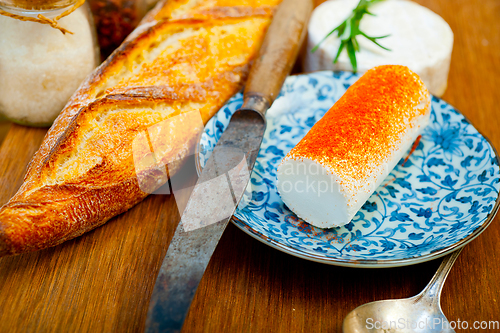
column 185, row 56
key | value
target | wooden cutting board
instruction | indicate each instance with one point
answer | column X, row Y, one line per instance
column 102, row 281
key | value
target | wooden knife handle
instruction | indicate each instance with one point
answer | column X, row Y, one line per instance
column 277, row 54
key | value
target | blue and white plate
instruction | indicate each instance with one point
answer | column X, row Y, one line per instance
column 444, row 196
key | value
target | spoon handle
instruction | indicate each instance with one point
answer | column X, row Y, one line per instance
column 432, row 292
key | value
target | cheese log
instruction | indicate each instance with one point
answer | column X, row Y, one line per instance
column 185, row 56
column 419, row 39
column 333, row 170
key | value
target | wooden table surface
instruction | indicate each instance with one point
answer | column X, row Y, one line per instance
column 102, row 281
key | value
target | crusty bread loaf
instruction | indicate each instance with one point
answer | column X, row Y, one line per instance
column 187, row 55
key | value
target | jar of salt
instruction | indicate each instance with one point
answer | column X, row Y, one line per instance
column 47, row 48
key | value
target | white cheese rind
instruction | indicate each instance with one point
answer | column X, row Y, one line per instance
column 419, row 39
column 316, row 194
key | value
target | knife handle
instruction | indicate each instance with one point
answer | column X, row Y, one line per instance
column 277, row 54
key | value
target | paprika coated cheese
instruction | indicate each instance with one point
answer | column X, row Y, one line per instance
column 333, row 170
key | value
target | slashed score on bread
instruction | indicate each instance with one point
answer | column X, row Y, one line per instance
column 186, row 56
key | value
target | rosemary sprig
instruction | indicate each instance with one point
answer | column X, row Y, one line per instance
column 349, row 29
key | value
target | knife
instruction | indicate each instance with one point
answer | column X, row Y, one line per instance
column 221, row 185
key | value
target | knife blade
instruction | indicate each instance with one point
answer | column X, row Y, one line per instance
column 222, row 182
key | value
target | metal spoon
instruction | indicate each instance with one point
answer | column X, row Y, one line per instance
column 420, row 313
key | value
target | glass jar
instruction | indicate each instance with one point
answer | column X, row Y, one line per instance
column 31, row 6
column 41, row 67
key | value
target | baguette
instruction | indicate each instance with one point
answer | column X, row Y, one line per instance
column 185, row 56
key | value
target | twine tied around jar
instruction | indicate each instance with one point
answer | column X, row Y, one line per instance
column 45, row 20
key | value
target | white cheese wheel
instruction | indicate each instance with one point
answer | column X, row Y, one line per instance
column 419, row 39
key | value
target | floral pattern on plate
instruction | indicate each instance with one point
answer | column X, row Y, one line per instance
column 442, row 197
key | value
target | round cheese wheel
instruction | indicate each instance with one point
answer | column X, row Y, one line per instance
column 419, row 39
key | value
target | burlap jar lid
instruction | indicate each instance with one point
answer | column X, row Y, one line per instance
column 33, row 5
